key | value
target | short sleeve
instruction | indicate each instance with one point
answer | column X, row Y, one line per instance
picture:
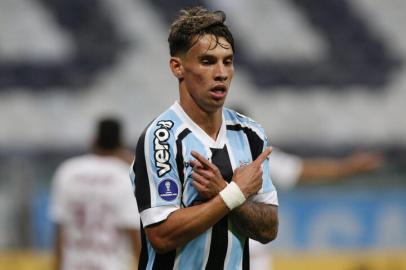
column 157, row 184
column 58, row 203
column 267, row 194
column 128, row 216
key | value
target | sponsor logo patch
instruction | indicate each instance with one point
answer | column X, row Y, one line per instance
column 168, row 189
column 161, row 147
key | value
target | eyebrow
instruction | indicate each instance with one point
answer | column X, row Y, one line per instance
column 207, row 54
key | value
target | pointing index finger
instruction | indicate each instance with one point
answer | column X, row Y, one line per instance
column 201, row 159
column 261, row 158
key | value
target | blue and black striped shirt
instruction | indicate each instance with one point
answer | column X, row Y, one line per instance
column 163, row 184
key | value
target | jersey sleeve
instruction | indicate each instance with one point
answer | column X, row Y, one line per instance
column 127, row 216
column 157, row 184
column 267, row 194
column 58, row 208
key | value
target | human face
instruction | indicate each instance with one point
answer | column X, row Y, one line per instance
column 207, row 72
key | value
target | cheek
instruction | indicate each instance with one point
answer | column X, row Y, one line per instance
column 230, row 75
column 231, row 72
column 198, row 77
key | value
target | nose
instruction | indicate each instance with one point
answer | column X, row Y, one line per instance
column 220, row 72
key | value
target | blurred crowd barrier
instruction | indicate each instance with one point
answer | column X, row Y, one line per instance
column 349, row 260
column 25, row 260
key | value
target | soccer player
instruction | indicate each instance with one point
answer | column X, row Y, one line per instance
column 201, row 175
column 93, row 206
column 288, row 170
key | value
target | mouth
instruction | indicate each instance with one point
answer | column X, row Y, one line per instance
column 219, row 91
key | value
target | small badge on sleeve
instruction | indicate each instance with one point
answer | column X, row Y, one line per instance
column 168, row 189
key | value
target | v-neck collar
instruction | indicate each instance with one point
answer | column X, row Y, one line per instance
column 198, row 131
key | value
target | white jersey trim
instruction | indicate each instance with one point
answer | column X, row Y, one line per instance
column 268, row 198
column 198, row 131
column 156, row 214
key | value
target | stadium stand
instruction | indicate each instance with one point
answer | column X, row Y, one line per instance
column 322, row 77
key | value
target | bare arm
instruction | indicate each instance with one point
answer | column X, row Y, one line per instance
column 316, row 170
column 58, row 247
column 185, row 224
column 134, row 235
column 255, row 220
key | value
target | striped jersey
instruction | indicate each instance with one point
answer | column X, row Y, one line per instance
column 163, row 184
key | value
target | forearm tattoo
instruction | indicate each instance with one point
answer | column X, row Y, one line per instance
column 258, row 221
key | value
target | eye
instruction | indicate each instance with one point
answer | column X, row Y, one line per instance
column 206, row 61
column 228, row 61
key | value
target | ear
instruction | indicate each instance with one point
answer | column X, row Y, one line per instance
column 175, row 64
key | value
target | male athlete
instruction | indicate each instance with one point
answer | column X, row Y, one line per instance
column 202, row 184
column 93, row 205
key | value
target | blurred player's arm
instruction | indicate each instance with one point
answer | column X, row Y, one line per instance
column 134, row 235
column 58, row 247
column 316, row 170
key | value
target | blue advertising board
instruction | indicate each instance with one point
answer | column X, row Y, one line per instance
column 328, row 219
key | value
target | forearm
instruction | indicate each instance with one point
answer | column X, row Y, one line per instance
column 330, row 169
column 318, row 170
column 134, row 235
column 186, row 224
column 258, row 221
column 58, row 248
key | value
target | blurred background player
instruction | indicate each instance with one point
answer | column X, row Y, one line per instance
column 94, row 208
column 288, row 170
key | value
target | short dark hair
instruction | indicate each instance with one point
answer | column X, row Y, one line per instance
column 197, row 21
column 108, row 134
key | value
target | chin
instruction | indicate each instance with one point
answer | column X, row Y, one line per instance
column 216, row 107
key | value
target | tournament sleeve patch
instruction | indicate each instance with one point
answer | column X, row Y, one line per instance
column 162, row 153
column 168, row 189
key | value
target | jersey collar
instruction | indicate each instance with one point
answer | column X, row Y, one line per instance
column 198, row 131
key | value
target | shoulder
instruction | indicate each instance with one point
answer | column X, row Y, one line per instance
column 73, row 163
column 67, row 169
column 167, row 124
column 238, row 121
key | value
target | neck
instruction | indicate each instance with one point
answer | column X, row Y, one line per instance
column 104, row 152
column 210, row 122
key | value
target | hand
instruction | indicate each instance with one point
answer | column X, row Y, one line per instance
column 249, row 177
column 207, row 178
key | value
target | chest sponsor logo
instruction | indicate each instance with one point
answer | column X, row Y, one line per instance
column 244, row 162
column 168, row 190
column 162, row 154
